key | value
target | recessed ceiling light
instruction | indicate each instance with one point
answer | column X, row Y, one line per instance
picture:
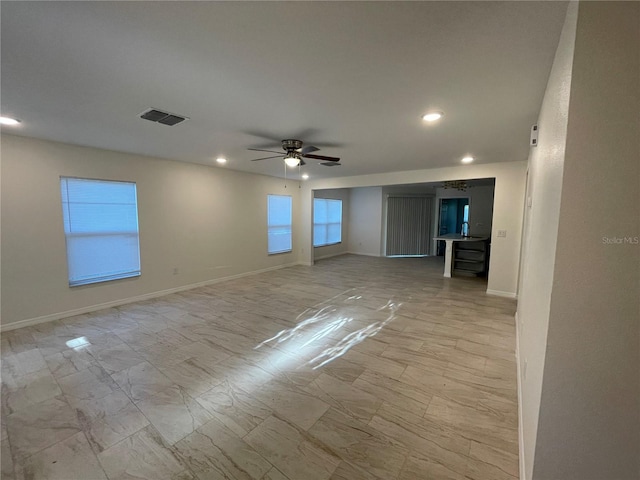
column 221, row 160
column 9, row 121
column 468, row 159
column 432, row 116
column 305, row 176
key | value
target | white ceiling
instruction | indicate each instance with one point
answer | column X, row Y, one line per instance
column 354, row 77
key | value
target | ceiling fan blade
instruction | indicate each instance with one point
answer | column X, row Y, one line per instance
column 308, row 149
column 330, row 144
column 266, row 158
column 302, row 163
column 305, row 133
column 331, row 164
column 261, row 150
column 266, row 135
column 322, row 157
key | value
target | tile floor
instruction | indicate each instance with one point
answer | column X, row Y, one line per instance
column 355, row 368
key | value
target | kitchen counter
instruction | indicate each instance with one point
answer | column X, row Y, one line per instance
column 449, row 238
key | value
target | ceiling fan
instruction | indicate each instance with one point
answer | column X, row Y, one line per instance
column 294, row 153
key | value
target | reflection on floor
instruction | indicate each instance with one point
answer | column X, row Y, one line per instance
column 355, row 368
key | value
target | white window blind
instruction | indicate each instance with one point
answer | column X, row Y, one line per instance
column 278, row 223
column 327, row 222
column 101, row 228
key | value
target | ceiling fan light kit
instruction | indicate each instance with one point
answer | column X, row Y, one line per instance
column 292, row 160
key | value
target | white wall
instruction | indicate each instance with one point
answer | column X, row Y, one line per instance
column 579, row 305
column 207, row 222
column 339, row 248
column 365, row 221
column 546, row 163
column 589, row 422
column 507, row 215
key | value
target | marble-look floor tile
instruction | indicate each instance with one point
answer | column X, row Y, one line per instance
column 349, row 471
column 344, row 396
column 422, row 467
column 52, row 344
column 427, row 383
column 234, row 407
column 41, row 426
column 342, row 369
column 242, row 373
column 410, row 357
column 475, row 424
column 204, row 355
column 296, row 406
column 95, row 343
column 19, row 393
column 488, row 461
column 221, row 337
column 420, row 378
column 6, row 461
column 69, row 459
column 141, row 381
column 93, row 382
column 108, row 419
column 295, row 455
column 141, row 456
column 16, row 341
column 191, row 375
column 213, row 451
column 70, row 361
column 274, row 474
column 174, row 413
column 394, row 392
column 359, row 444
column 118, row 358
column 421, row 436
column 137, row 338
column 380, row 364
column 22, row 363
column 480, row 349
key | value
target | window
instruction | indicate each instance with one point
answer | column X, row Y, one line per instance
column 101, row 228
column 278, row 223
column 327, row 222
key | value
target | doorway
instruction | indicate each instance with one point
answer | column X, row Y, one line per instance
column 452, row 213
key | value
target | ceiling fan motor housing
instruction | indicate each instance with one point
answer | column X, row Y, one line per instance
column 291, row 144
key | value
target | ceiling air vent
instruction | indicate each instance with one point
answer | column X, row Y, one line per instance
column 155, row 115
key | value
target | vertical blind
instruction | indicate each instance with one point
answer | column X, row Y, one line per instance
column 408, row 225
column 101, row 229
column 278, row 223
column 327, row 221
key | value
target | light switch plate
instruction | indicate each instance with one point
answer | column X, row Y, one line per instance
column 502, row 233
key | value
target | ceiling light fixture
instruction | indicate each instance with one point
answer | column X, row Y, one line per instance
column 9, row 121
column 432, row 116
column 292, row 160
column 467, row 159
column 221, row 160
column 455, row 184
column 305, row 176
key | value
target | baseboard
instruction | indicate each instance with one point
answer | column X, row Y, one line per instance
column 330, row 255
column 138, row 298
column 498, row 293
column 521, row 464
column 365, row 254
